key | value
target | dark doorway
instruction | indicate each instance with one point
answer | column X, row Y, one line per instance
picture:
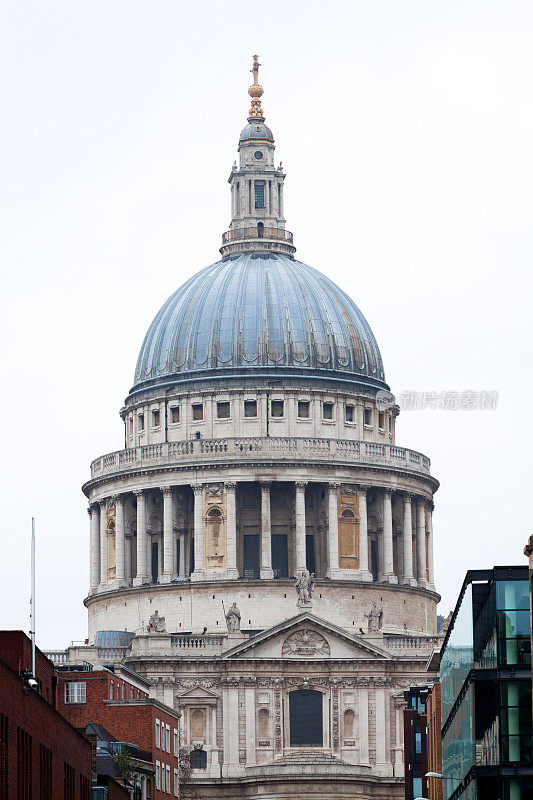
column 280, row 555
column 251, row 556
column 178, row 552
column 310, row 553
column 374, row 563
column 305, row 714
column 155, row 559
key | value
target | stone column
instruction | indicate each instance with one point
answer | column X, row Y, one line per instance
column 300, row 529
column 334, row 570
column 249, row 696
column 407, row 541
column 127, row 559
column 430, row 565
column 382, row 763
column 169, row 550
column 267, row 573
column 364, row 756
column 231, row 531
column 94, row 547
column 199, row 571
column 364, row 566
column 421, row 545
column 398, row 749
column 103, row 542
column 120, row 543
column 142, row 537
column 388, row 562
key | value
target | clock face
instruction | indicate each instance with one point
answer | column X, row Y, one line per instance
column 258, row 154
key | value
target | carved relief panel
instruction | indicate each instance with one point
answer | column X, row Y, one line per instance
column 215, row 529
column 305, row 643
column 348, row 509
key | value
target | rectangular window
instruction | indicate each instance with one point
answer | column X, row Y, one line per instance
column 276, row 408
column 174, row 414
column 368, row 416
column 381, row 420
column 223, row 410
column 167, row 738
column 140, row 420
column 250, row 408
column 122, row 691
column 176, row 742
column 157, row 733
column 69, row 782
column 349, row 415
column 259, row 194
column 24, row 764
column 4, row 746
column 157, row 775
column 85, row 788
column 75, row 692
column 156, row 418
column 168, row 778
column 390, row 424
column 303, row 409
column 327, row 410
column 45, row 773
column 198, row 411
column 176, row 784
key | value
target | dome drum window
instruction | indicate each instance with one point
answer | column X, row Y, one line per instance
column 250, row 408
column 156, row 418
column 368, row 417
column 197, row 412
column 303, row 409
column 349, row 413
column 223, row 410
column 277, row 408
column 327, row 411
column 174, row 414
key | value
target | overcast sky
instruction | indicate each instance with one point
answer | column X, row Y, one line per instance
column 406, row 132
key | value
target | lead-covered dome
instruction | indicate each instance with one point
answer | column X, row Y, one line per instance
column 262, row 314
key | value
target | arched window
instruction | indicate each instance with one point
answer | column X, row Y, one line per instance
column 348, row 539
column 349, row 720
column 348, row 514
column 260, row 230
column 198, row 759
column 305, row 717
column 263, row 720
column 198, row 724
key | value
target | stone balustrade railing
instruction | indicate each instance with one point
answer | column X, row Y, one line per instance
column 260, row 449
column 174, row 644
column 57, row 657
column 412, row 642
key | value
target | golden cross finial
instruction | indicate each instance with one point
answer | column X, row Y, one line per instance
column 255, row 91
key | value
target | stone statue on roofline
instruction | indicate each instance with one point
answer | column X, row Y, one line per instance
column 304, row 587
column 233, row 619
column 156, row 623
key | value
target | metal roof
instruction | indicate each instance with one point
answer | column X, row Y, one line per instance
column 259, row 313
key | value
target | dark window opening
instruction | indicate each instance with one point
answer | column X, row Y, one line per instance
column 174, row 414
column 276, row 408
column 223, row 410
column 250, row 408
column 141, row 422
column 305, row 714
column 259, row 187
column 303, row 409
column 349, row 413
column 368, row 416
column 155, row 561
column 310, row 553
column 327, row 410
column 260, row 230
column 251, row 556
column 390, row 424
column 198, row 759
column 156, row 418
column 198, row 411
column 280, row 555
column 381, row 420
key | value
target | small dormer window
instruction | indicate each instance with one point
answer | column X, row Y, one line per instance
column 259, row 187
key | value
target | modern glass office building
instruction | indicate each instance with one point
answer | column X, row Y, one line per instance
column 486, row 689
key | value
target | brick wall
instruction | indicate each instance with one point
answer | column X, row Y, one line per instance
column 36, row 741
column 15, row 651
column 128, row 720
column 434, row 743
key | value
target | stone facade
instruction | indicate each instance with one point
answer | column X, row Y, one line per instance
column 263, row 536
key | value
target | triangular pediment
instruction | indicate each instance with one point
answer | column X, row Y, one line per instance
column 308, row 638
column 197, row 693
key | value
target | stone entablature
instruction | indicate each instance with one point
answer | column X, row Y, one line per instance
column 232, row 450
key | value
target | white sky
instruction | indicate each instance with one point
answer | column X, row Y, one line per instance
column 406, row 132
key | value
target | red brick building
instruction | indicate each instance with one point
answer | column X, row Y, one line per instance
column 124, row 709
column 434, row 742
column 41, row 754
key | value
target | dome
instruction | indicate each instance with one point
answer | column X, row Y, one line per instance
column 256, row 131
column 259, row 314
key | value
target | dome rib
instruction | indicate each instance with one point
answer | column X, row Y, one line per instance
column 259, row 313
